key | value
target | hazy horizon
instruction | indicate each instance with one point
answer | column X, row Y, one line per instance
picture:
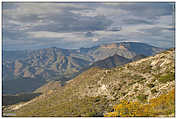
column 80, row 47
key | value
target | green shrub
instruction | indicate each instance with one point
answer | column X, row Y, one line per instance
column 124, row 93
column 142, row 97
column 91, row 114
column 131, row 83
column 153, row 80
column 135, row 90
column 97, row 99
column 153, row 91
column 150, row 85
column 167, row 77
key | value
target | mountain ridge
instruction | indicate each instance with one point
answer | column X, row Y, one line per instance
column 58, row 64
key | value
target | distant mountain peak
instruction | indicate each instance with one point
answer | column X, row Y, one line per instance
column 122, row 47
column 109, row 46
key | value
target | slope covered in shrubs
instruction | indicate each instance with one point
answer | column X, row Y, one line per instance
column 96, row 91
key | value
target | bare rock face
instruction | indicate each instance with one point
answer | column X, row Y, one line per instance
column 122, row 47
column 18, row 66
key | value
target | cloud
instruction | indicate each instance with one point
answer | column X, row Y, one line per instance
column 74, row 25
column 95, row 39
column 89, row 34
column 138, row 21
column 149, row 10
column 46, row 34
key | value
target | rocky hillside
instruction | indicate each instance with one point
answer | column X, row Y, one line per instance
column 95, row 91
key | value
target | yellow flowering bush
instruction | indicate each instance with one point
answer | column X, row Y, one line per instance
column 162, row 105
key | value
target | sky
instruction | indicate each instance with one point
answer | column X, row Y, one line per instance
column 75, row 25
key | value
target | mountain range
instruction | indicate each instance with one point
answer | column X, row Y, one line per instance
column 36, row 67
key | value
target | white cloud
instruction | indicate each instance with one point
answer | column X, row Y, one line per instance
column 89, row 13
column 46, row 34
column 95, row 39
